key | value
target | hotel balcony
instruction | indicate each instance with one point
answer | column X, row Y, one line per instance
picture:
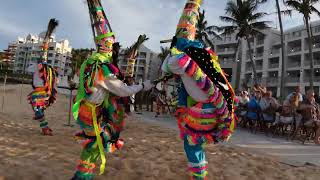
column 260, row 42
column 307, row 79
column 316, row 62
column 259, row 67
column 293, row 36
column 274, row 52
column 274, row 66
column 294, row 50
column 294, row 64
column 228, row 50
column 292, row 79
column 272, row 81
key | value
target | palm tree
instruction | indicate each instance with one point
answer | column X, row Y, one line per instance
column 165, row 51
column 306, row 8
column 245, row 23
column 280, row 13
column 78, row 57
column 205, row 33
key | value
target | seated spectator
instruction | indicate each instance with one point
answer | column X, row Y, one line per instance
column 288, row 112
column 298, row 93
column 243, row 102
column 310, row 111
column 269, row 106
column 253, row 105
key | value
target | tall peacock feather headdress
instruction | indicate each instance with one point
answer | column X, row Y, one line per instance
column 53, row 23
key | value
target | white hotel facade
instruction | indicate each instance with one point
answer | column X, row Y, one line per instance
column 28, row 52
column 267, row 56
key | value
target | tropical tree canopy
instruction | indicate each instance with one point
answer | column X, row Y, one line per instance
column 244, row 19
column 205, row 33
column 165, row 51
column 305, row 7
column 79, row 56
column 245, row 22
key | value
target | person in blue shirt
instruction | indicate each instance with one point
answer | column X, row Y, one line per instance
column 253, row 105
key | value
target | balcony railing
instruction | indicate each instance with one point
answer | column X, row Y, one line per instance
column 274, row 66
column 259, row 80
column 317, row 45
column 259, row 54
column 294, row 64
column 315, row 62
column 308, row 78
column 248, row 68
column 293, row 50
column 259, row 42
column 275, row 52
column 272, row 80
column 225, row 50
column 259, row 67
column 293, row 79
column 293, row 35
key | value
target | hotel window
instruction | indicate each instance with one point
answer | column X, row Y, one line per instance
column 142, row 54
column 317, row 29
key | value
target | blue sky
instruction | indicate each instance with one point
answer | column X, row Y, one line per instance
column 128, row 18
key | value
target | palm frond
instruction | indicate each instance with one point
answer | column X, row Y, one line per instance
column 228, row 19
column 164, row 53
column 315, row 10
column 256, row 32
column 287, row 12
column 228, row 30
column 261, row 25
column 314, row 1
column 256, row 16
column 212, row 28
column 231, row 8
column 295, row 5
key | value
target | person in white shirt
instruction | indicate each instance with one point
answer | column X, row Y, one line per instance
column 44, row 83
column 97, row 108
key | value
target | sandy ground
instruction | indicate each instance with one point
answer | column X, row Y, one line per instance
column 290, row 152
column 150, row 151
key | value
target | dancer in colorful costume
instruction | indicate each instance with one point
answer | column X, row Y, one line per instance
column 129, row 73
column 96, row 110
column 44, row 82
column 206, row 111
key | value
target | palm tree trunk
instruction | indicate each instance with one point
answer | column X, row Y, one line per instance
column 239, row 63
column 310, row 52
column 253, row 63
column 282, row 51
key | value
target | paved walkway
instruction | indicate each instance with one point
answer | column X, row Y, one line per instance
column 293, row 153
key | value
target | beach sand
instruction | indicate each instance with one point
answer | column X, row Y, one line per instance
column 150, row 151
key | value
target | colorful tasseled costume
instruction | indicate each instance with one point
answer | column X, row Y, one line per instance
column 206, row 111
column 97, row 108
column 44, row 82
